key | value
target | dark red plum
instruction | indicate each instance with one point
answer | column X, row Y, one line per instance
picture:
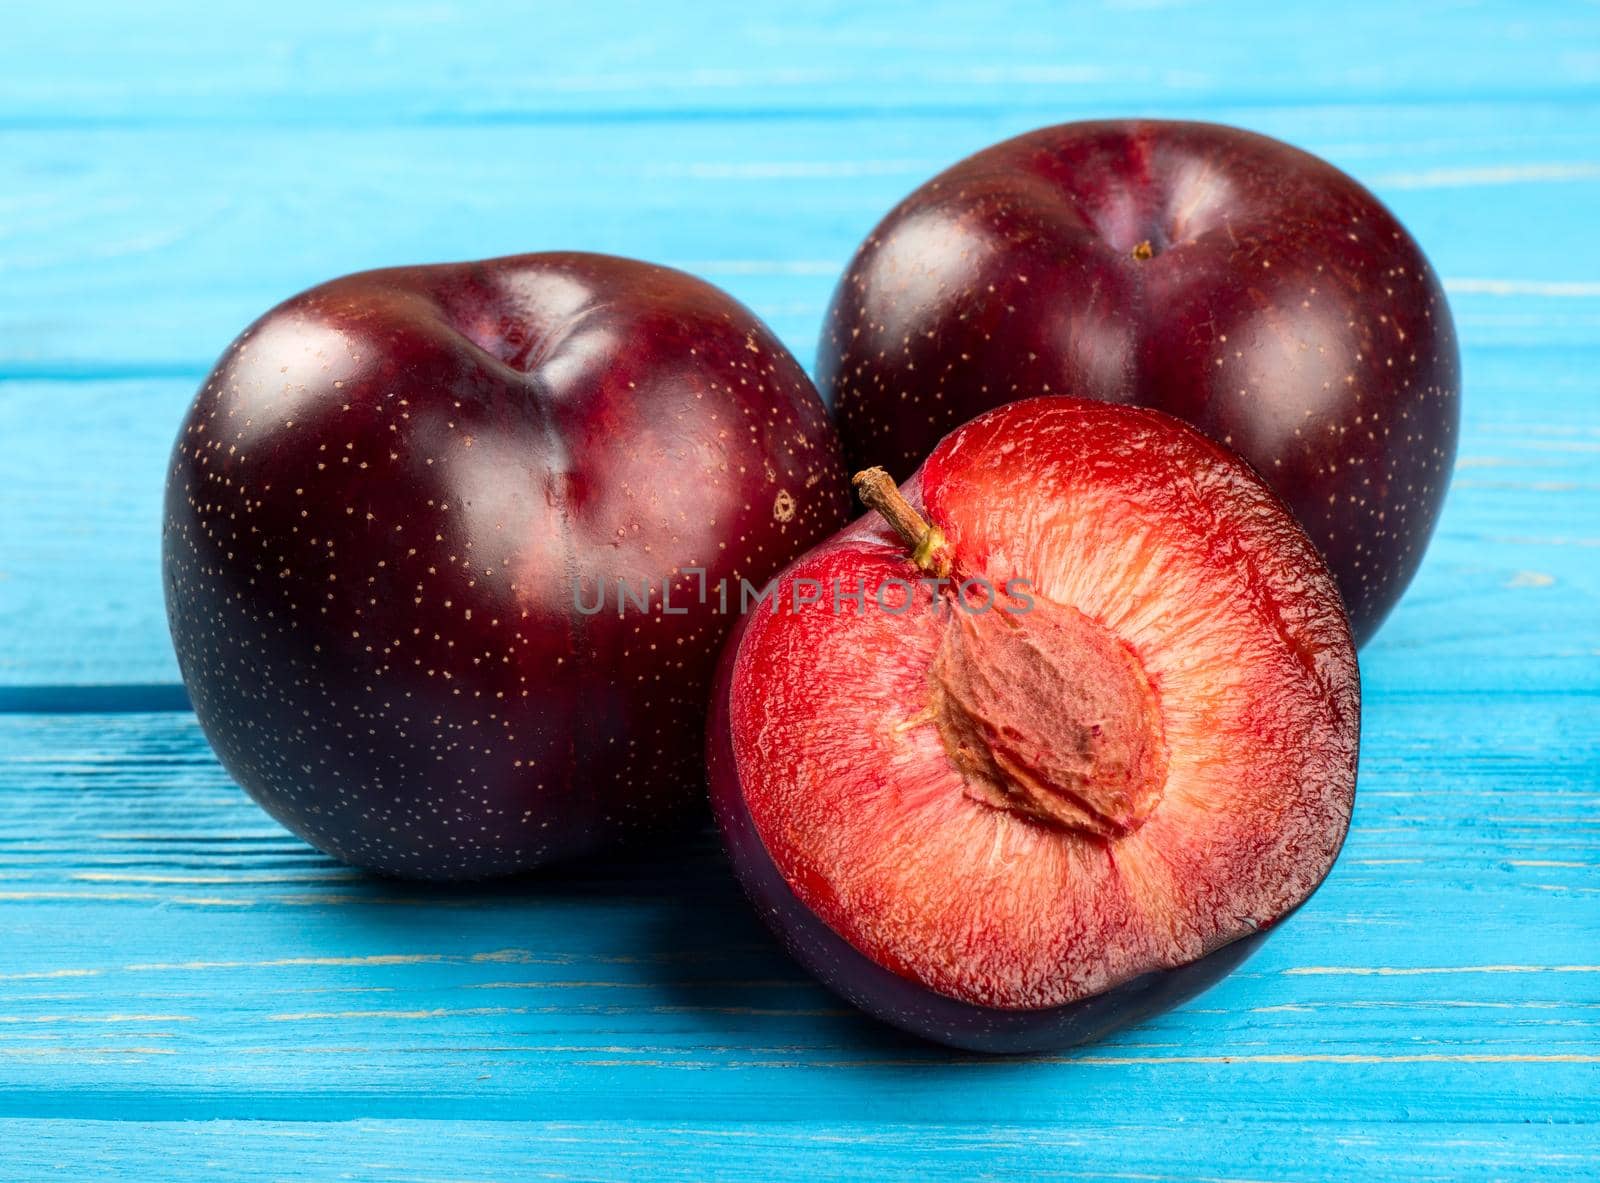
column 1071, row 727
column 397, row 515
column 1229, row 279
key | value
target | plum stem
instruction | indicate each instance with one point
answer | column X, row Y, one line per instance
column 929, row 551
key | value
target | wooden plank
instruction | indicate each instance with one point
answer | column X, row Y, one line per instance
column 80, row 586
column 297, row 61
column 1506, row 600
column 693, row 1151
column 169, row 953
column 120, row 302
column 142, row 253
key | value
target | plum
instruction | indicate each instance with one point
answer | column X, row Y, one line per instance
column 1048, row 743
column 1232, row 280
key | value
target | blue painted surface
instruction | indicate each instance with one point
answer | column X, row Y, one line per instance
column 188, row 992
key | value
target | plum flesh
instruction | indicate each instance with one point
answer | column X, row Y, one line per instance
column 1034, row 865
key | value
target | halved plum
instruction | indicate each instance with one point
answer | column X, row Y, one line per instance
column 1051, row 742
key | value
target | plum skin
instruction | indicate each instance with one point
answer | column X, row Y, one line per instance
column 1241, row 284
column 376, row 509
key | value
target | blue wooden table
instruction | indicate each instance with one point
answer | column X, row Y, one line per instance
column 188, row 992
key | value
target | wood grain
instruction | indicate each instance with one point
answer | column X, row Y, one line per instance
column 143, row 251
column 170, row 954
column 370, row 62
column 383, row 1151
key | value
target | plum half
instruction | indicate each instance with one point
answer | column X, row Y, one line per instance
column 1050, row 742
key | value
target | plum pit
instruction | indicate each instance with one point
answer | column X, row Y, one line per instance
column 1050, row 716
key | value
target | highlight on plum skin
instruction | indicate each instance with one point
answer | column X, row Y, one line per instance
column 1096, row 741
